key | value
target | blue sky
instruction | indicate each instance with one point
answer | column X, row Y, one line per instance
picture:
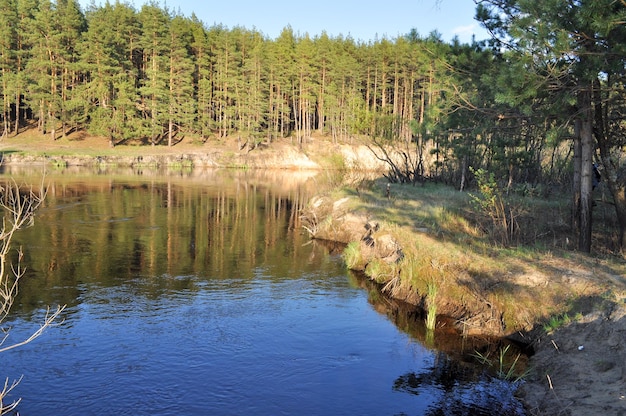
column 363, row 20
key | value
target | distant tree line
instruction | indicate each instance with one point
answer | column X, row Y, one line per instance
column 154, row 76
column 537, row 103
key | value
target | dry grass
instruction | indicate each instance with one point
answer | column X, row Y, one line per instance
column 445, row 242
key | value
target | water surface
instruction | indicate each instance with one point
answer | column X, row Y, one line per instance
column 200, row 295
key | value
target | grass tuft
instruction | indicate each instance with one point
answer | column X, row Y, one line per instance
column 431, row 306
column 506, row 367
column 557, row 322
column 352, row 256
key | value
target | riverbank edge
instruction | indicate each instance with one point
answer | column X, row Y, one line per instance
column 315, row 154
column 259, row 160
column 585, row 354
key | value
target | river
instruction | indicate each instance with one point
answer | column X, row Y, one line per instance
column 198, row 293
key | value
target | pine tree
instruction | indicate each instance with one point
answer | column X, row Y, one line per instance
column 44, row 68
column 202, row 77
column 106, row 59
column 252, row 90
column 25, row 16
column 181, row 106
column 304, row 89
column 8, row 57
column 154, row 72
column 281, row 56
column 575, row 51
column 225, row 77
column 71, row 25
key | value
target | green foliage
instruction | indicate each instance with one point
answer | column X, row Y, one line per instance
column 337, row 162
column 151, row 74
column 566, row 64
column 489, row 196
column 181, row 165
column 490, row 202
column 376, row 270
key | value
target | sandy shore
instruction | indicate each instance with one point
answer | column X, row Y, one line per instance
column 580, row 369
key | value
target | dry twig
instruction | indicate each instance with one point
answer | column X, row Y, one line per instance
column 19, row 206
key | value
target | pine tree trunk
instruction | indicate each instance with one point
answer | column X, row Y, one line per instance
column 616, row 185
column 18, row 104
column 586, row 138
column 620, row 209
column 577, row 164
column 170, row 133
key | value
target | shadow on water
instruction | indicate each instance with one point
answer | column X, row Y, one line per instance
column 466, row 384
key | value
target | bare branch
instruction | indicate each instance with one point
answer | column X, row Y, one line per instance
column 18, row 206
column 4, row 392
column 48, row 321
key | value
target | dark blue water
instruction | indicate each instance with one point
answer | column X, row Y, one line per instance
column 278, row 329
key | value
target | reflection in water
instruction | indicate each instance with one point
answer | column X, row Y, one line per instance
column 461, row 390
column 200, row 295
column 107, row 229
column 453, row 381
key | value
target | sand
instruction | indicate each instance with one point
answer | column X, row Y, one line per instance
column 580, row 369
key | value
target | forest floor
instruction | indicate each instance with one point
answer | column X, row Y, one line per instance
column 578, row 368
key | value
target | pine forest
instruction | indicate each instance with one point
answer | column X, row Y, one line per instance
column 537, row 103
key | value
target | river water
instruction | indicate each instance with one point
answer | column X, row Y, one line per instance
column 199, row 294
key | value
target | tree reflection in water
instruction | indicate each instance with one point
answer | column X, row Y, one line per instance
column 463, row 390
